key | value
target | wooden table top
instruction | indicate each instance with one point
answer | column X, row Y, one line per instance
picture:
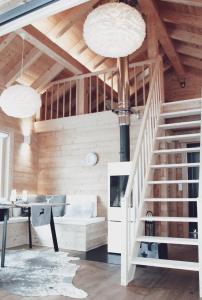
column 28, row 205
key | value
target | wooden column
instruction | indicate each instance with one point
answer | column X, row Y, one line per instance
column 152, row 40
column 81, row 97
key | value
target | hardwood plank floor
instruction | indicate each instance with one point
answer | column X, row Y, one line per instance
column 102, row 282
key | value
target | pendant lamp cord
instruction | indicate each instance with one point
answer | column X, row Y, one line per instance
column 22, row 62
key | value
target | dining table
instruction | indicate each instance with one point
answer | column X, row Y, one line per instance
column 5, row 210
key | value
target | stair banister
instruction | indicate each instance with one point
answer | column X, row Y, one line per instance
column 199, row 214
column 139, row 169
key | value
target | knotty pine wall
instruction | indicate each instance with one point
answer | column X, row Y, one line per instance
column 24, row 158
column 192, row 89
column 63, row 146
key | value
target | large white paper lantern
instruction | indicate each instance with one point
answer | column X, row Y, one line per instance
column 114, row 30
column 20, row 101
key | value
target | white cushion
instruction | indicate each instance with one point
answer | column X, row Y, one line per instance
column 79, row 210
column 83, row 200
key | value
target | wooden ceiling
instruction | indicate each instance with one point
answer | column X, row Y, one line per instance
column 54, row 47
column 183, row 20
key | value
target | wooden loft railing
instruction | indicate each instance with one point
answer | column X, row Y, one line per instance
column 94, row 92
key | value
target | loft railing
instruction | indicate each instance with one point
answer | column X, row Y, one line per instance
column 139, row 173
column 94, row 92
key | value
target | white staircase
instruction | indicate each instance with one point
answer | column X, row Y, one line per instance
column 157, row 127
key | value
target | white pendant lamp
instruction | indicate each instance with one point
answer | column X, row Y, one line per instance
column 114, row 30
column 20, row 101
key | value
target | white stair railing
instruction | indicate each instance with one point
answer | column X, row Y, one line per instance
column 199, row 214
column 139, row 173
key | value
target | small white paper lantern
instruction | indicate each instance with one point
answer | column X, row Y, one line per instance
column 20, row 101
column 114, row 30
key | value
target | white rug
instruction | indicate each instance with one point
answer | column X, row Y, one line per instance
column 39, row 273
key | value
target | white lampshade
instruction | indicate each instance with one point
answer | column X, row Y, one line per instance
column 20, row 101
column 114, row 30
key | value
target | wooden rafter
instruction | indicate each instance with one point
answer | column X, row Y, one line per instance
column 85, row 47
column 6, row 40
column 45, row 45
column 100, row 62
column 192, row 62
column 75, row 14
column 185, row 36
column 29, row 59
column 190, row 50
column 41, row 83
column 175, row 17
column 196, row 3
column 150, row 8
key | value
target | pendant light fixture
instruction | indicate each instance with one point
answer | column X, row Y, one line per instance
column 114, row 30
column 20, row 101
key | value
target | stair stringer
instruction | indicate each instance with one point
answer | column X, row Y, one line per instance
column 139, row 226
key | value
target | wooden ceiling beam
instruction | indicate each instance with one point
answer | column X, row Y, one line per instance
column 196, row 3
column 74, row 15
column 152, row 39
column 84, row 48
column 29, row 59
column 41, row 83
column 191, row 62
column 185, row 36
column 189, row 50
column 51, row 49
column 6, row 40
column 175, row 17
column 150, row 8
column 100, row 62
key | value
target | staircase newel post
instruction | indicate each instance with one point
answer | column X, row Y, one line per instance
column 124, row 242
column 199, row 215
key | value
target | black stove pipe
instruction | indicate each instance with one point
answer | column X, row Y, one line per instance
column 124, row 108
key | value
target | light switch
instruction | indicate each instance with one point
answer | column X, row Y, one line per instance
column 180, row 187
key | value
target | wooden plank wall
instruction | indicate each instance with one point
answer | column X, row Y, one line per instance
column 24, row 161
column 62, row 153
column 192, row 89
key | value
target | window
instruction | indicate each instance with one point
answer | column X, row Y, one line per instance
column 4, row 163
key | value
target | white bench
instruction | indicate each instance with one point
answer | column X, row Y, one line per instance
column 17, row 232
column 73, row 234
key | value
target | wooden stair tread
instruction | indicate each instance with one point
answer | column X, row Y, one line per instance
column 172, row 103
column 172, row 181
column 175, row 165
column 167, row 240
column 169, row 219
column 181, row 113
column 190, row 136
column 171, row 199
column 165, row 263
column 190, row 124
column 180, row 150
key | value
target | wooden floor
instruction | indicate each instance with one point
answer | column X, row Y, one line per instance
column 102, row 282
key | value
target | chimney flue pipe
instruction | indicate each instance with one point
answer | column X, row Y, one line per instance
column 124, row 107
